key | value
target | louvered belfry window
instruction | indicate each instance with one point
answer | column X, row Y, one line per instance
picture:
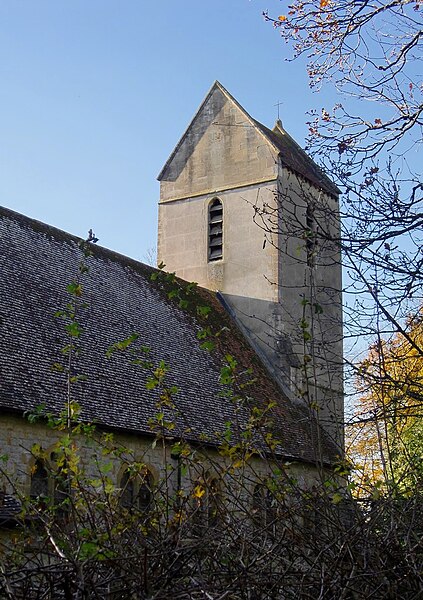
column 215, row 230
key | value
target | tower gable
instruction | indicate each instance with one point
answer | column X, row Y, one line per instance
column 222, row 148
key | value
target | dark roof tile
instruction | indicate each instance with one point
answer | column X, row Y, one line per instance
column 296, row 159
column 10, row 507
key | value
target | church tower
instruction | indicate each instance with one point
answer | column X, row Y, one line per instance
column 245, row 212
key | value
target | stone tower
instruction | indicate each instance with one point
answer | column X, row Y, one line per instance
column 244, row 211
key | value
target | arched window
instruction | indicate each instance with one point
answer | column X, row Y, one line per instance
column 215, row 247
column 59, row 477
column 50, row 483
column 207, row 505
column 264, row 508
column 39, row 481
column 257, row 507
column 136, row 490
column 145, row 491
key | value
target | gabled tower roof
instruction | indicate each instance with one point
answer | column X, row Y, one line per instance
column 291, row 154
column 295, row 158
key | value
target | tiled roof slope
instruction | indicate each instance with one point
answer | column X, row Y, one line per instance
column 37, row 262
column 296, row 159
column 10, row 507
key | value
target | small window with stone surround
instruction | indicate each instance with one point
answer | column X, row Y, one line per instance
column 215, row 233
column 208, row 509
column 50, row 482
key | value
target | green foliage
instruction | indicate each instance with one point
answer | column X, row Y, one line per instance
column 75, row 289
column 391, row 381
column 122, row 345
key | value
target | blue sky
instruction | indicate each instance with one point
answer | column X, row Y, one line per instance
column 95, row 95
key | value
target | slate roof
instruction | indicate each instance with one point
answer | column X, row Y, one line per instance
column 10, row 507
column 37, row 262
column 295, row 158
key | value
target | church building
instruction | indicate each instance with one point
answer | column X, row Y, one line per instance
column 249, row 217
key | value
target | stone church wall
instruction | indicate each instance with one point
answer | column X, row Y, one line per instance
column 310, row 271
column 18, row 436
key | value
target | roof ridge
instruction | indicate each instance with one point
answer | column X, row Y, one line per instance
column 61, row 234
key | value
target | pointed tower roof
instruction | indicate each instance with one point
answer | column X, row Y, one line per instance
column 291, row 154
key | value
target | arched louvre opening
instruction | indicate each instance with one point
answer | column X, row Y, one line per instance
column 215, row 250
